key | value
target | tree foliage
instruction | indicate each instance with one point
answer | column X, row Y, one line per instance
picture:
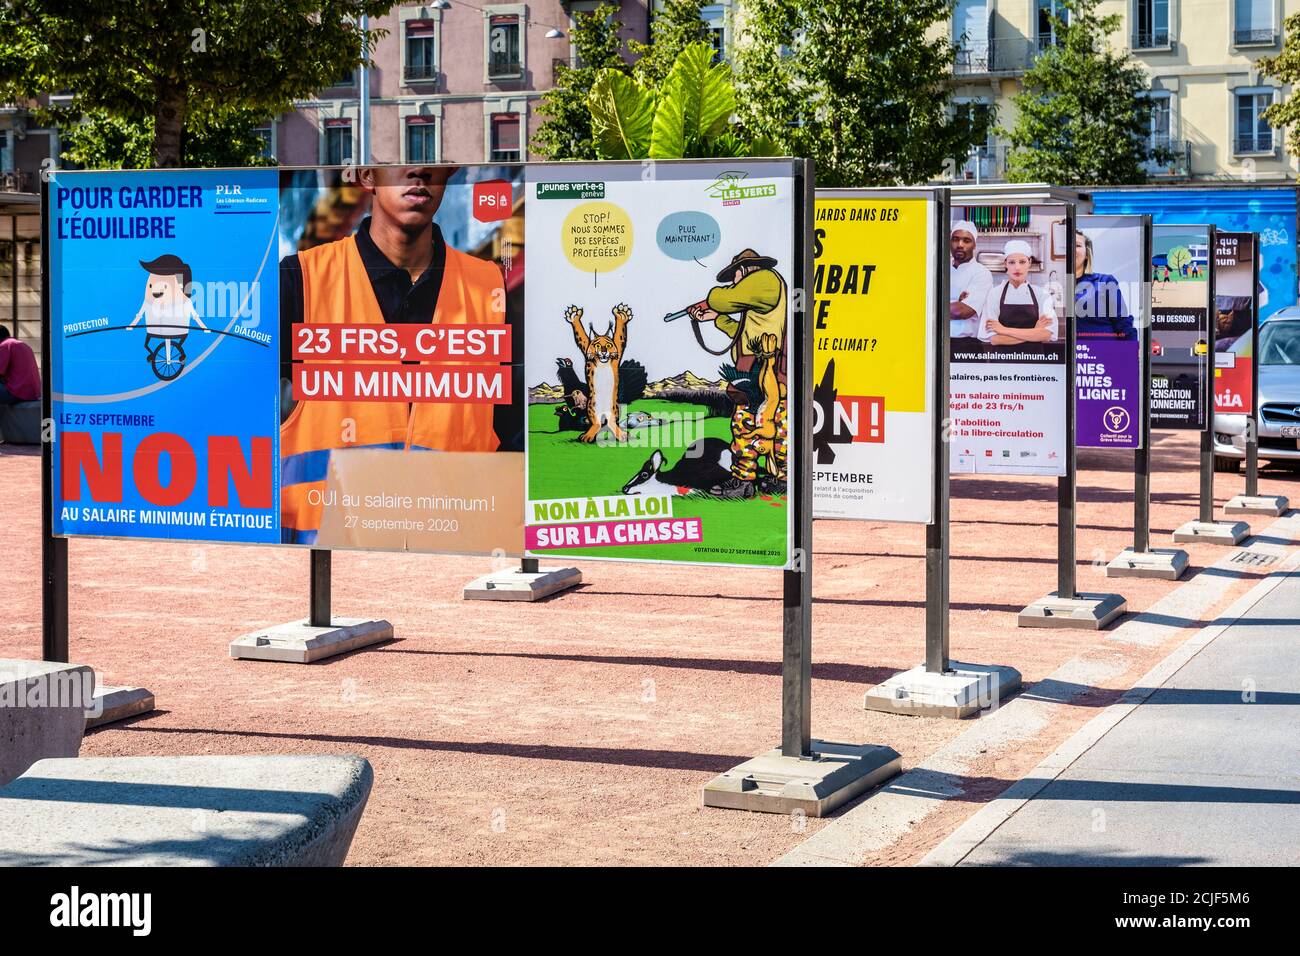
column 859, row 86
column 566, row 132
column 1082, row 118
column 178, row 66
column 1285, row 68
column 687, row 116
column 101, row 141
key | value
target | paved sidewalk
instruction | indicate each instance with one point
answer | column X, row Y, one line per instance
column 1199, row 767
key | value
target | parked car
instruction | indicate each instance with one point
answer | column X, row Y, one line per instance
column 1279, row 398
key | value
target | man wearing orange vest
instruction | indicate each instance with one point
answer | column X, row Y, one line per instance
column 396, row 268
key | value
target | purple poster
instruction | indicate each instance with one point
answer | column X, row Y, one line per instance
column 1108, row 268
column 1106, row 386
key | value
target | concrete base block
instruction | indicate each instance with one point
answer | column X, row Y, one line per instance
column 1257, row 505
column 1085, row 611
column 299, row 643
column 43, row 708
column 1166, row 563
column 962, row 690
column 119, row 703
column 184, row 811
column 517, row 585
column 1213, row 532
column 816, row 785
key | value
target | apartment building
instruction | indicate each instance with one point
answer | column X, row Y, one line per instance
column 1201, row 57
column 452, row 81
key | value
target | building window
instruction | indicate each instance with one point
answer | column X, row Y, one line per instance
column 1049, row 11
column 421, row 140
column 421, row 54
column 6, row 151
column 503, row 47
column 1254, row 134
column 1151, row 22
column 715, row 22
column 1253, row 23
column 266, row 134
column 1160, row 126
column 504, row 138
column 347, row 78
column 338, row 142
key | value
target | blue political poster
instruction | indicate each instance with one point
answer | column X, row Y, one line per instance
column 164, row 304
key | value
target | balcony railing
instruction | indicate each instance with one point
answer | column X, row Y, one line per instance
column 985, row 164
column 1154, row 40
column 1265, row 37
column 18, row 181
column 1258, row 142
column 420, row 71
column 993, row 57
column 1170, row 158
column 504, row 69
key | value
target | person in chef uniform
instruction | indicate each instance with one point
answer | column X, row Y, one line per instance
column 968, row 287
column 1015, row 314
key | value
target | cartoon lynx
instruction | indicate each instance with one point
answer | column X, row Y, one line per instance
column 603, row 354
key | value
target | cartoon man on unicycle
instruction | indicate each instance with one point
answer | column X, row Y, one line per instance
column 167, row 311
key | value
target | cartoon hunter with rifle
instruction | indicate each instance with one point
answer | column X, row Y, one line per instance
column 750, row 307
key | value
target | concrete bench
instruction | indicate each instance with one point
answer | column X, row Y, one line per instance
column 42, row 712
column 20, row 424
column 184, row 811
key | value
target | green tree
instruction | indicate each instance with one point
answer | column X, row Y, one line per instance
column 687, row 116
column 101, row 141
column 859, row 86
column 1179, row 257
column 1082, row 118
column 1285, row 68
column 179, row 64
column 566, row 131
column 676, row 25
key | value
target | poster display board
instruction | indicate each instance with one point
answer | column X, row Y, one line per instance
column 1109, row 252
column 1009, row 338
column 874, row 333
column 324, row 357
column 1235, row 297
column 660, row 425
column 1180, row 332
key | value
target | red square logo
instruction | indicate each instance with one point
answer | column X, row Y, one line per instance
column 492, row 200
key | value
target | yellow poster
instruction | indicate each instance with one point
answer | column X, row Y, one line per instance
column 873, row 354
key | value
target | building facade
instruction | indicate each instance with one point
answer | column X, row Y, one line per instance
column 452, row 82
column 1201, row 57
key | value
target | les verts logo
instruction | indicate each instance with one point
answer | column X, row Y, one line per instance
column 731, row 188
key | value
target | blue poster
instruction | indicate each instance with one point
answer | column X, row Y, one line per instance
column 164, row 304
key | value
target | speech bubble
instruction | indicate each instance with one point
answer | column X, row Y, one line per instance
column 688, row 235
column 597, row 237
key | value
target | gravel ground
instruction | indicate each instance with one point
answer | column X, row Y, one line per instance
column 580, row 729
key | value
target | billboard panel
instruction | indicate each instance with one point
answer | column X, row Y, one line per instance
column 320, row 357
column 874, row 289
column 1180, row 331
column 1235, row 296
column 1009, row 334
column 658, row 329
column 164, row 349
column 1108, row 270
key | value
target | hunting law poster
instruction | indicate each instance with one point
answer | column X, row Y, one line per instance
column 873, row 355
column 658, row 378
column 1180, row 329
column 1009, row 331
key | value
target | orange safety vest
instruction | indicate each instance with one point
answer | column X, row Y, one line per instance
column 336, row 288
